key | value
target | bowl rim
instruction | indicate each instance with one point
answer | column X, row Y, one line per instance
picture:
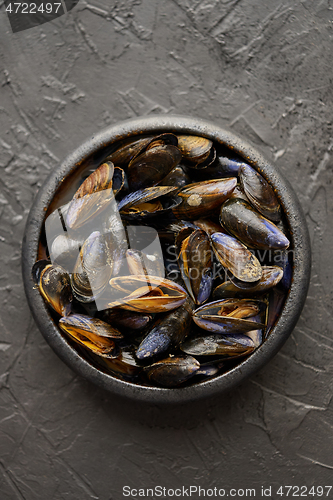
column 300, row 244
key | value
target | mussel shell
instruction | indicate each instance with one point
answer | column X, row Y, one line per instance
column 127, row 320
column 168, row 331
column 141, row 263
column 92, row 196
column 230, row 346
column 93, row 267
column 260, row 193
column 271, row 276
column 147, row 294
column 124, row 365
column 65, row 250
column 118, row 180
column 227, row 166
column 152, row 166
column 85, row 331
column 54, row 285
column 163, row 140
column 210, row 369
column 238, row 194
column 236, row 257
column 195, row 262
column 195, row 149
column 128, row 150
column 251, row 228
column 148, row 202
column 172, row 371
column 276, row 301
column 113, row 226
column 37, row 268
column 215, row 316
column 93, row 328
column 209, row 226
column 176, row 178
column 200, row 199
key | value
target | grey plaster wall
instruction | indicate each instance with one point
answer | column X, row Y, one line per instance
column 260, row 68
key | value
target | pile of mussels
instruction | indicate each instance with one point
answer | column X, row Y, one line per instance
column 199, row 301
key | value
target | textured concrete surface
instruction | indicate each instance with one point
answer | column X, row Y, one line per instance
column 262, row 69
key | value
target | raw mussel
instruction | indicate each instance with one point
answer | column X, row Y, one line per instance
column 228, row 316
column 251, row 228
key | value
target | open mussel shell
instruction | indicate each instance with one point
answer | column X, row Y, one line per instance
column 148, row 294
column 172, row 371
column 92, row 196
column 141, row 263
column 54, row 285
column 231, row 346
column 234, row 256
column 93, row 267
column 200, row 199
column 92, row 333
column 194, row 256
column 148, row 202
column 168, row 331
column 271, row 276
column 229, row 316
column 260, row 193
column 114, row 228
column 152, row 166
column 91, row 327
column 251, row 228
column 125, row 365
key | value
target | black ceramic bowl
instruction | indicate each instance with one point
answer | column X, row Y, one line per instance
column 92, row 152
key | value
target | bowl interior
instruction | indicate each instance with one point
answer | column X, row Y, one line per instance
column 88, row 157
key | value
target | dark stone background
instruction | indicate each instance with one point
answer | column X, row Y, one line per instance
column 260, row 68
